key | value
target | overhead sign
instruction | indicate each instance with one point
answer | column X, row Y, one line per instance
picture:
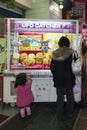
column 42, row 26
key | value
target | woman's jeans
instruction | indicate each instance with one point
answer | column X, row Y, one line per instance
column 68, row 108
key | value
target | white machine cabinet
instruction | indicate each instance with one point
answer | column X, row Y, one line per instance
column 52, row 91
column 8, row 90
column 30, row 43
column 41, row 89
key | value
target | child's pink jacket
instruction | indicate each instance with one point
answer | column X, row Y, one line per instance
column 24, row 95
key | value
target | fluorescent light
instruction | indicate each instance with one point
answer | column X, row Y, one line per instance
column 61, row 6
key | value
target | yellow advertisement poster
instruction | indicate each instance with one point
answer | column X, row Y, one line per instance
column 2, row 54
column 53, row 39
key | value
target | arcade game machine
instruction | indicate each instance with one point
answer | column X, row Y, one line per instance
column 29, row 48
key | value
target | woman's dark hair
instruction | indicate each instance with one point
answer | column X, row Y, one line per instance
column 64, row 41
column 20, row 79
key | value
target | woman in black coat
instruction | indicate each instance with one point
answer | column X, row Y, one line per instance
column 63, row 77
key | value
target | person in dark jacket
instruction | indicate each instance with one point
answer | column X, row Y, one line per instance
column 63, row 77
column 84, row 47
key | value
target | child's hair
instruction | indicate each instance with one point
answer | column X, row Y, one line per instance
column 20, row 79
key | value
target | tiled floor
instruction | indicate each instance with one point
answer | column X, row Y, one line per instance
column 8, row 110
column 43, row 118
column 81, row 121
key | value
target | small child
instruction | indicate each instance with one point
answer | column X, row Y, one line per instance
column 24, row 94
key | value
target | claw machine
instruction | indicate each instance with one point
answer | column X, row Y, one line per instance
column 30, row 43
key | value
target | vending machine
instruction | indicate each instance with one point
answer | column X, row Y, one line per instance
column 30, row 43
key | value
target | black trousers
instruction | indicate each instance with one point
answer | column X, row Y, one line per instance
column 62, row 108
